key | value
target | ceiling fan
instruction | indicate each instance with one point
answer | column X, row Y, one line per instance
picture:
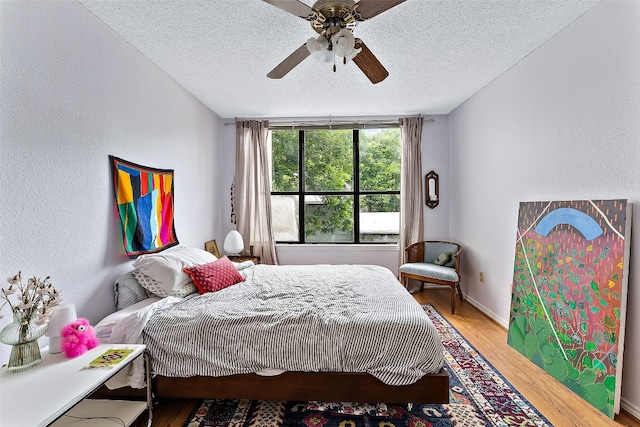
column 334, row 21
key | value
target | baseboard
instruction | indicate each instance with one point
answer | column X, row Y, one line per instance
column 625, row 405
column 491, row 315
column 630, row 408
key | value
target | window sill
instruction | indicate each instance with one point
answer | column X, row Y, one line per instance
column 337, row 247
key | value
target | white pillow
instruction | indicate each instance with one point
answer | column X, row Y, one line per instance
column 166, row 267
column 105, row 326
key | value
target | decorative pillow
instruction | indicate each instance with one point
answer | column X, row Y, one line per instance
column 166, row 267
column 127, row 291
column 214, row 276
column 446, row 259
column 154, row 288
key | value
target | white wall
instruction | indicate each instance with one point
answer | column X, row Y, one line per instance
column 563, row 124
column 435, row 157
column 72, row 93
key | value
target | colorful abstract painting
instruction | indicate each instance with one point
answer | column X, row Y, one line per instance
column 144, row 201
column 569, row 294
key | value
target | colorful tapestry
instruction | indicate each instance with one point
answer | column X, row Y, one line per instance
column 144, row 202
column 478, row 396
column 569, row 294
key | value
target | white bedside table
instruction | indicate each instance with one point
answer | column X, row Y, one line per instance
column 41, row 395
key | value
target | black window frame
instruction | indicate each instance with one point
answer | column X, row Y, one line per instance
column 355, row 192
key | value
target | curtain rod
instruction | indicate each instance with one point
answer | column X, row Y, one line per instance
column 297, row 122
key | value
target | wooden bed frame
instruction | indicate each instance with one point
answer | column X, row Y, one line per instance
column 322, row 386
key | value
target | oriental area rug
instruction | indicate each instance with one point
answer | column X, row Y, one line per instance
column 478, row 396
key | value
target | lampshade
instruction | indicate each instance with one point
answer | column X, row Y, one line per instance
column 233, row 243
column 62, row 315
column 353, row 53
column 325, row 56
column 318, row 48
column 315, row 45
column 343, row 43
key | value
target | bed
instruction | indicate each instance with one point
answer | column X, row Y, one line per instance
column 316, row 332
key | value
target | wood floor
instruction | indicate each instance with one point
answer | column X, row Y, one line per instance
column 561, row 406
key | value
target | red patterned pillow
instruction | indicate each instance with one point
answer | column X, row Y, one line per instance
column 215, row 275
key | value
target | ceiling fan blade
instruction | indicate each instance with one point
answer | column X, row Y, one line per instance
column 290, row 62
column 369, row 64
column 370, row 8
column 294, row 7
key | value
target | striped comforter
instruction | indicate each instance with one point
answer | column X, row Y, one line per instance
column 349, row 318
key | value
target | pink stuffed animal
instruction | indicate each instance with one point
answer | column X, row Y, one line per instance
column 78, row 337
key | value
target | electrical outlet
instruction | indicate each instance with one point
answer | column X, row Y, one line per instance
column 481, row 276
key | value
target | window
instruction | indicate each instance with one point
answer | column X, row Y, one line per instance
column 336, row 186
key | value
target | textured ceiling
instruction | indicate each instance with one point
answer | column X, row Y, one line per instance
column 438, row 53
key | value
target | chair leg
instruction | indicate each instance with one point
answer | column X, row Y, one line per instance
column 460, row 292
column 453, row 299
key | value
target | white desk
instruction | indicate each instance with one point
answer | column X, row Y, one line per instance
column 38, row 396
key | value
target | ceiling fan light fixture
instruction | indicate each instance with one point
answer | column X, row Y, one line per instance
column 317, row 45
column 343, row 43
column 353, row 53
column 318, row 48
column 325, row 56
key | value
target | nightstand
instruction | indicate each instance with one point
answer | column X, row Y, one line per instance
column 240, row 258
column 58, row 386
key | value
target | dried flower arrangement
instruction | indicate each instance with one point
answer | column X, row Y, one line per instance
column 34, row 300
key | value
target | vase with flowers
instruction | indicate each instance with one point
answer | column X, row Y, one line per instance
column 31, row 305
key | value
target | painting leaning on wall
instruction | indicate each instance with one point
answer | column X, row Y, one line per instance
column 569, row 294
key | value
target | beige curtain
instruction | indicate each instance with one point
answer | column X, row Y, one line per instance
column 253, row 189
column 411, row 195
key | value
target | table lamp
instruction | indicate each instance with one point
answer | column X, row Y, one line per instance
column 233, row 243
column 62, row 316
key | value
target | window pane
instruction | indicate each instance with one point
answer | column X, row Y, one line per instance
column 328, row 160
column 285, row 175
column 285, row 218
column 380, row 151
column 328, row 218
column 380, row 218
